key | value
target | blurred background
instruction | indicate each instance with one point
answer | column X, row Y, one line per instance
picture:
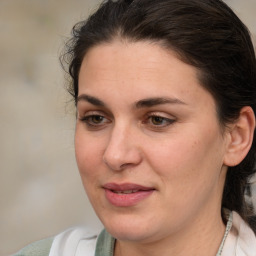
column 40, row 189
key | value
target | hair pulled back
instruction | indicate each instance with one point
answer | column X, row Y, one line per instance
column 205, row 34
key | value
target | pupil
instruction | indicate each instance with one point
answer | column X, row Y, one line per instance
column 157, row 120
column 97, row 119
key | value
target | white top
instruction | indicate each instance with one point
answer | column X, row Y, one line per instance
column 240, row 241
column 77, row 241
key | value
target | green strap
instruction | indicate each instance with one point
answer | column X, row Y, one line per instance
column 105, row 244
column 39, row 248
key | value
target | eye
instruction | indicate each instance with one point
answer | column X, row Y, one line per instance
column 94, row 120
column 158, row 121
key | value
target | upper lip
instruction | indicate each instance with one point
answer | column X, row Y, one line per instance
column 125, row 187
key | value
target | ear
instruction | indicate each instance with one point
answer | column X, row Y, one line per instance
column 240, row 137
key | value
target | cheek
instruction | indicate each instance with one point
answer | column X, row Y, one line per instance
column 88, row 155
column 188, row 159
column 89, row 164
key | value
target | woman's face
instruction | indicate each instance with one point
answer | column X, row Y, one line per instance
column 149, row 147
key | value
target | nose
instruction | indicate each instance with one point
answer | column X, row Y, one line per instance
column 123, row 150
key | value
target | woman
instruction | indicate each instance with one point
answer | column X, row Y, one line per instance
column 165, row 95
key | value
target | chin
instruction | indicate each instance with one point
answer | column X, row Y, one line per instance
column 130, row 229
column 129, row 234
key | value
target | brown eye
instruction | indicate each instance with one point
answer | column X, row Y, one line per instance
column 96, row 119
column 157, row 120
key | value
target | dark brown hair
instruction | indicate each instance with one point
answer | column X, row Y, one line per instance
column 205, row 34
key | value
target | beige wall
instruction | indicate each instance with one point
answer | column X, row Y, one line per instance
column 41, row 192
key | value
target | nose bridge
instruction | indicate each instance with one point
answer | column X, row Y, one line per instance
column 122, row 149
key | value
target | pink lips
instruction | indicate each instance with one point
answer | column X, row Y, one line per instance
column 126, row 194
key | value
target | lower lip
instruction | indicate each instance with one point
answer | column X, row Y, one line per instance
column 126, row 200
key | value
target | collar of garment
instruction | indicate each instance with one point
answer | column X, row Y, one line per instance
column 241, row 240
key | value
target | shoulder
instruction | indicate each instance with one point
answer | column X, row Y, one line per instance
column 241, row 239
column 74, row 241
column 39, row 248
column 246, row 239
column 82, row 241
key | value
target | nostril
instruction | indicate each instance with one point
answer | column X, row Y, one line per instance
column 118, row 164
column 125, row 165
column 114, row 164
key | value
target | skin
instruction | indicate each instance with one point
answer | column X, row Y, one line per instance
column 181, row 154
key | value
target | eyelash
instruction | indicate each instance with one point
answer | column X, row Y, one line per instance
column 150, row 119
column 88, row 120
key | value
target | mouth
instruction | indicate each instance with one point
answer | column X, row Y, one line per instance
column 125, row 191
column 126, row 194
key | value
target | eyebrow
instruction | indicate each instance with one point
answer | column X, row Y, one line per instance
column 157, row 101
column 90, row 99
column 149, row 102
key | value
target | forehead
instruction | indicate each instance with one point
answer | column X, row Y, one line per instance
column 144, row 69
column 140, row 55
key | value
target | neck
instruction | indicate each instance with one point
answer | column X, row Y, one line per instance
column 202, row 237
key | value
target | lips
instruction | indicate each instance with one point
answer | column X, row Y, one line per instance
column 127, row 194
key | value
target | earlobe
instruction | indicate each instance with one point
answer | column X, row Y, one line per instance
column 240, row 137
